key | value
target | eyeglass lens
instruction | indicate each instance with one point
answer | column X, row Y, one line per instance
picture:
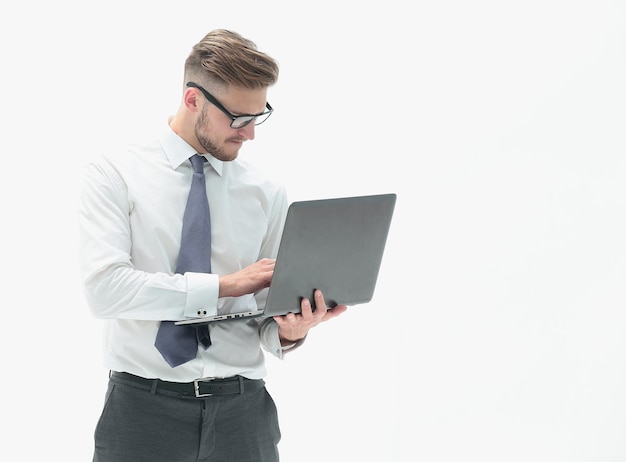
column 240, row 122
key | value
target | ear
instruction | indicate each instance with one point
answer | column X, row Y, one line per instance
column 190, row 99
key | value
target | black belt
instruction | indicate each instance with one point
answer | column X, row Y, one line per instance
column 199, row 388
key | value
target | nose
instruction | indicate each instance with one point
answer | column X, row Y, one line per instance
column 247, row 132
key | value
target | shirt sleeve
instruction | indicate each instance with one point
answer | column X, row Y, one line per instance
column 113, row 287
column 268, row 329
column 270, row 339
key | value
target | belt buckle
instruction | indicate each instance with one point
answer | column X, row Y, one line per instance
column 196, row 387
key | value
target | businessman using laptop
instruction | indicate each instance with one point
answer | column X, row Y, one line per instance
column 181, row 228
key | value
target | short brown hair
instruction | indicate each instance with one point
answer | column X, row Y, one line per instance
column 226, row 58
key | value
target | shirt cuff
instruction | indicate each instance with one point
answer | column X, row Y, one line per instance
column 202, row 292
column 292, row 346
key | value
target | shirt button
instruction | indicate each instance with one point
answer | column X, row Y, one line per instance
column 201, row 312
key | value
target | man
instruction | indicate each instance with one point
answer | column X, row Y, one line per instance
column 211, row 406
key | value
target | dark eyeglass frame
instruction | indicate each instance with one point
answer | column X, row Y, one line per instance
column 239, row 121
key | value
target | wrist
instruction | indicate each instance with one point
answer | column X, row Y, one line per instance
column 227, row 287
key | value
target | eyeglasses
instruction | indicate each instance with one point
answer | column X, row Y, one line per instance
column 239, row 121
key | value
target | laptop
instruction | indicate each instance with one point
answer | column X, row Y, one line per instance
column 335, row 245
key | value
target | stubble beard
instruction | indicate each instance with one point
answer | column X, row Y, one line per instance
column 209, row 144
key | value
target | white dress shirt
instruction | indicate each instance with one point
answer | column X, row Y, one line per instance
column 131, row 213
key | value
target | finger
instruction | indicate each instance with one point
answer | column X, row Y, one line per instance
column 266, row 264
column 320, row 303
column 285, row 319
column 280, row 320
column 305, row 308
column 290, row 318
column 335, row 311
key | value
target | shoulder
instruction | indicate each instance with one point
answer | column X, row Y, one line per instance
column 120, row 167
column 131, row 158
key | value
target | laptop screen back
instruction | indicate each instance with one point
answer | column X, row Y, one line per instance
column 335, row 245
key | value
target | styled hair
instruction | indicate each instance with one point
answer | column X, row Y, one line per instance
column 224, row 57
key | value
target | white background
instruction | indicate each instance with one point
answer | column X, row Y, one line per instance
column 497, row 331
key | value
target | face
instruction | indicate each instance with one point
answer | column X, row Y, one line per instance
column 212, row 127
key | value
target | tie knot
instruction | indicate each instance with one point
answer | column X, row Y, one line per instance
column 198, row 163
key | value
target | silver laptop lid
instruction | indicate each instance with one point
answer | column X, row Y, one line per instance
column 335, row 245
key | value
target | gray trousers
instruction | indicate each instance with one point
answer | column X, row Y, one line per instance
column 139, row 426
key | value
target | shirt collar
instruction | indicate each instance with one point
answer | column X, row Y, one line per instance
column 178, row 151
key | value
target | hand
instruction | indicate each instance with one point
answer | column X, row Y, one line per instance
column 293, row 327
column 248, row 280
